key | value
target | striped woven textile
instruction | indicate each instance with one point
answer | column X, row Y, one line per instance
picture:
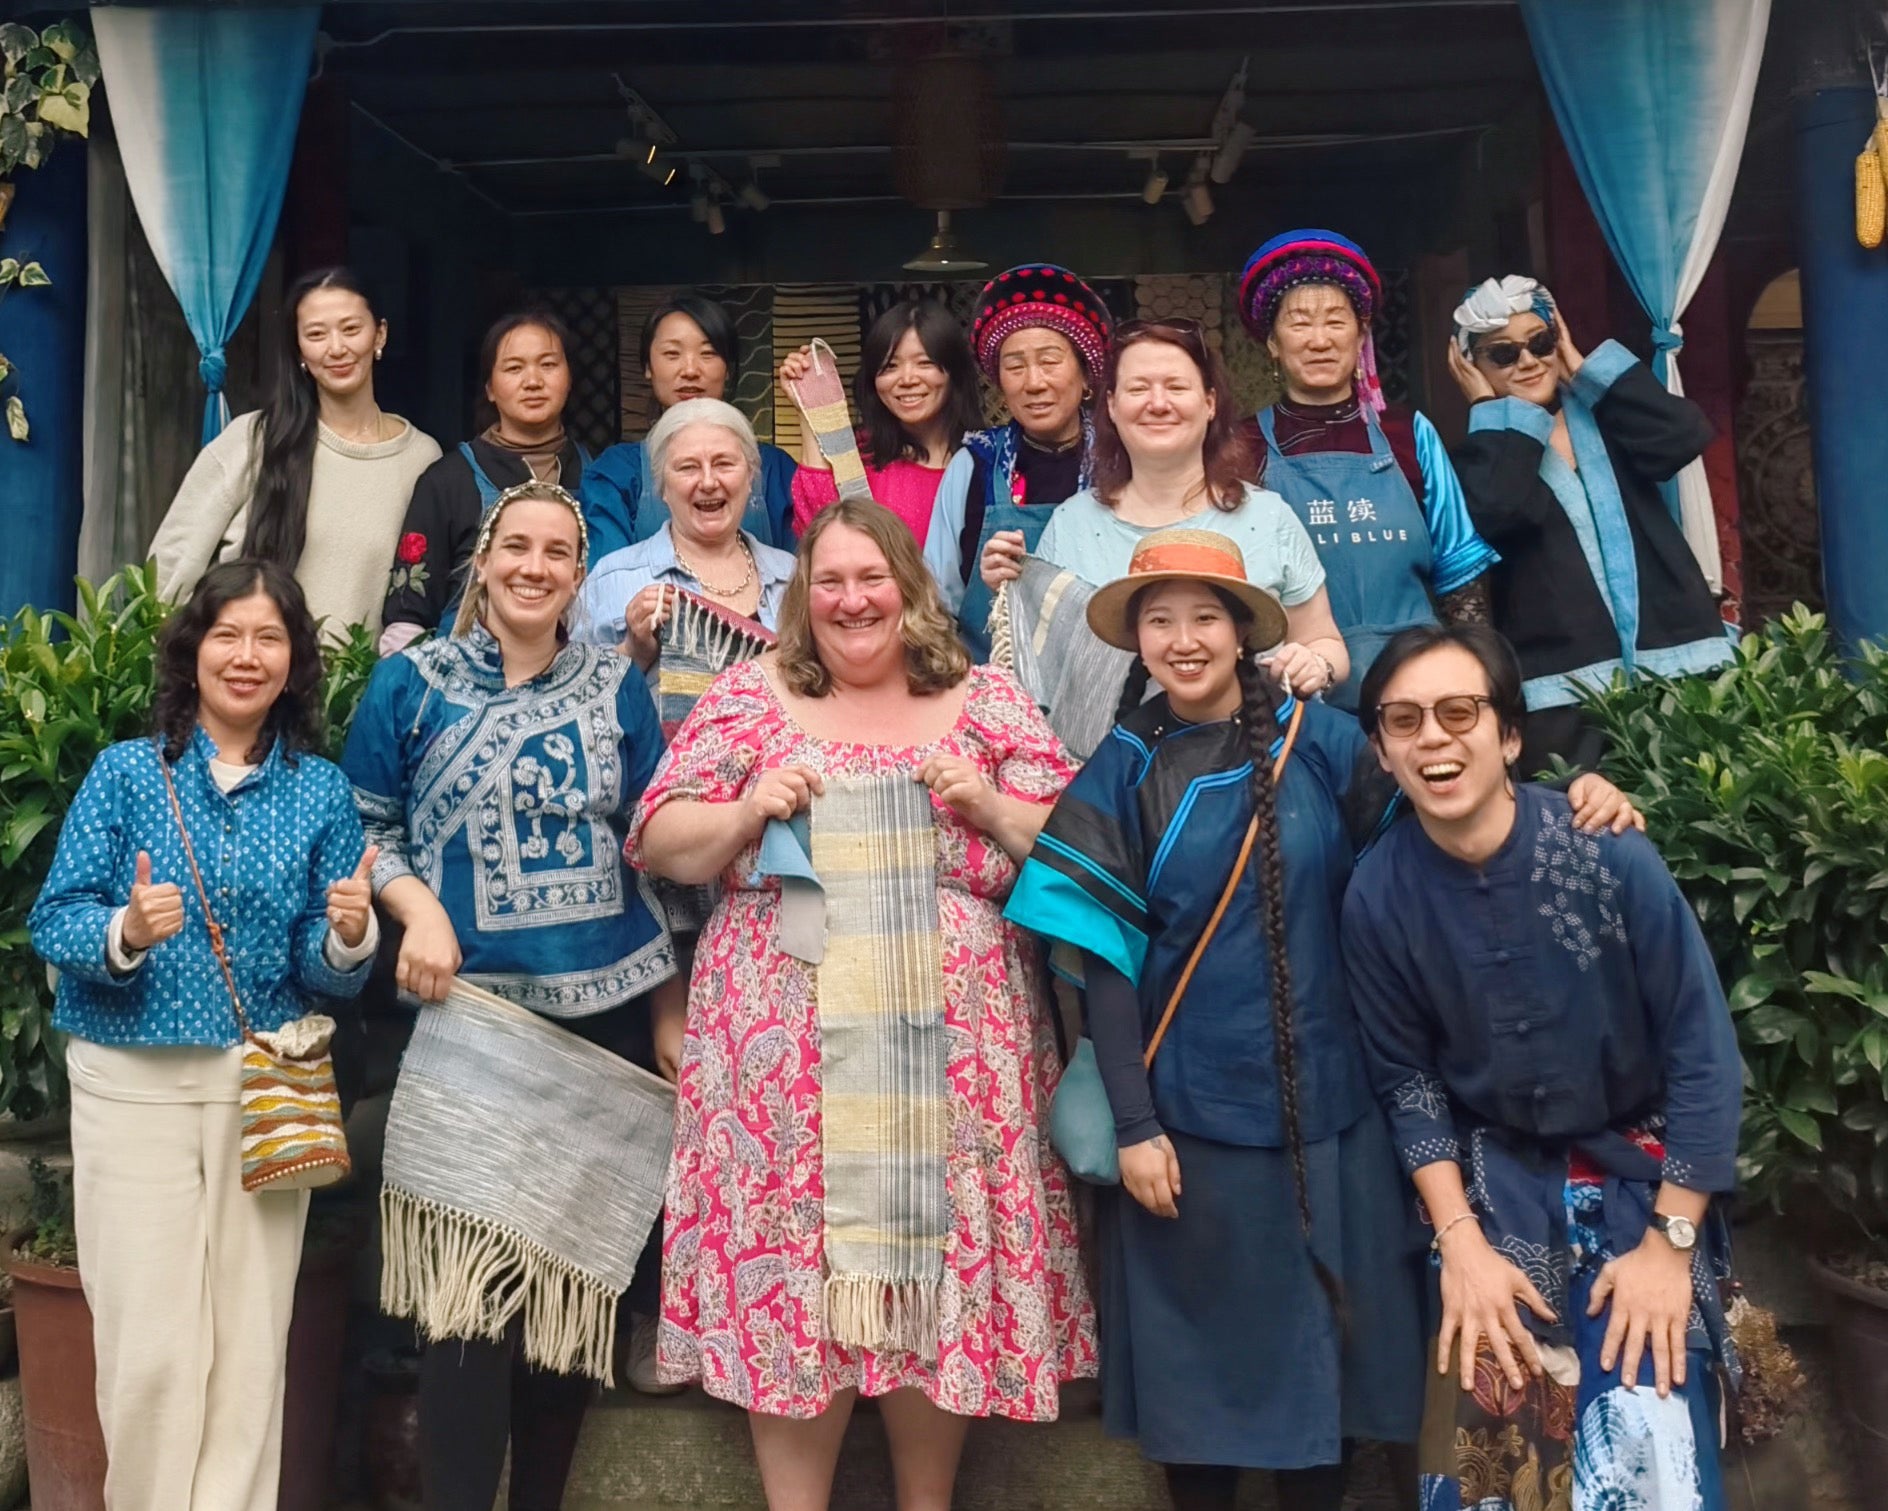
column 524, row 1169
column 821, row 395
column 883, row 1063
column 1039, row 632
column 699, row 641
column 292, row 1136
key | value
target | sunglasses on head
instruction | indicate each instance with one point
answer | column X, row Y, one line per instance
column 1506, row 353
column 1457, row 715
column 1180, row 330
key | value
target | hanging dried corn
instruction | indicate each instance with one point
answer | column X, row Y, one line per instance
column 1871, row 193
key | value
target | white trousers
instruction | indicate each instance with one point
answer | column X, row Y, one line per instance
column 191, row 1282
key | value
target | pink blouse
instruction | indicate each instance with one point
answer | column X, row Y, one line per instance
column 906, row 488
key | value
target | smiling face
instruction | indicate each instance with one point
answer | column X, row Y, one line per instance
column 683, row 363
column 1160, row 404
column 338, row 337
column 1317, row 342
column 1532, row 378
column 530, row 381
column 531, row 569
column 912, row 387
column 705, row 483
column 1452, row 779
column 242, row 667
column 855, row 607
column 1042, row 382
column 1190, row 643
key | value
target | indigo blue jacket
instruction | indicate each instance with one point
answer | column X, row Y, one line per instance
column 269, row 850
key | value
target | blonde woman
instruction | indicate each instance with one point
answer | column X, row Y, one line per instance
column 496, row 768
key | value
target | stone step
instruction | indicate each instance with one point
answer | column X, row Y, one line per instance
column 653, row 1454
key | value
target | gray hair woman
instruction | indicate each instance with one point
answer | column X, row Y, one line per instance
column 705, row 462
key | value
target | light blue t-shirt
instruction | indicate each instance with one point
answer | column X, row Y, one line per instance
column 1086, row 537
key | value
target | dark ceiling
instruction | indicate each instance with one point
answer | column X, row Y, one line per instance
column 808, row 101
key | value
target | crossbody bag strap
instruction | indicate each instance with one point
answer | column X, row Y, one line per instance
column 1225, row 896
column 216, row 929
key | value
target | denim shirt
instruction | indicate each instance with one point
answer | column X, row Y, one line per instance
column 269, row 849
column 620, row 576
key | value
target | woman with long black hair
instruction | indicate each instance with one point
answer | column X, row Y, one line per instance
column 524, row 359
column 916, row 390
column 318, row 479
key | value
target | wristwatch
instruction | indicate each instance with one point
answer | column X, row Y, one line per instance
column 1680, row 1232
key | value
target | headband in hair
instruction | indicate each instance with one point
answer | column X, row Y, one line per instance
column 1040, row 295
column 1490, row 305
column 551, row 494
column 1310, row 255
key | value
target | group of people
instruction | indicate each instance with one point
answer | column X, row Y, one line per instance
column 1420, row 1079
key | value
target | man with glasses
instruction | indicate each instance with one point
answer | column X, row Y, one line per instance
column 1547, row 1035
column 1562, row 469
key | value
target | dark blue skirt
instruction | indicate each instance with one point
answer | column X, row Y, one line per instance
column 1218, row 1344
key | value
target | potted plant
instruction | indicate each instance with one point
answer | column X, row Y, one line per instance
column 65, row 1449
column 1766, row 789
column 46, row 80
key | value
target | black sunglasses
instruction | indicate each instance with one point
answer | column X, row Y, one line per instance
column 1457, row 715
column 1506, row 353
column 1181, row 330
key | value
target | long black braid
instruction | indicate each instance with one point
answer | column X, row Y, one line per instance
column 1260, row 723
column 1133, row 691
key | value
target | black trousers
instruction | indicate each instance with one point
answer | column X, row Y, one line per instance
column 1215, row 1487
column 475, row 1396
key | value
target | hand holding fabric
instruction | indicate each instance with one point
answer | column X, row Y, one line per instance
column 779, row 793
column 643, row 619
column 1002, row 558
column 960, row 786
column 156, row 911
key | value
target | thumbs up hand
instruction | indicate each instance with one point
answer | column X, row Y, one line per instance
column 156, row 911
column 351, row 901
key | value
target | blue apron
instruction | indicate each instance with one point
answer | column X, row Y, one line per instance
column 1372, row 540
column 997, row 451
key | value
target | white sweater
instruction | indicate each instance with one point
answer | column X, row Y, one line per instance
column 357, row 500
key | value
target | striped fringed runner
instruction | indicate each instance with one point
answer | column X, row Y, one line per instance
column 821, row 395
column 524, row 1169
column 700, row 640
column 292, row 1137
column 1039, row 632
column 883, row 1063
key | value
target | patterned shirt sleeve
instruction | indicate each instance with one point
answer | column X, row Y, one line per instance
column 1030, row 762
column 714, row 752
column 1398, row 1039
column 71, row 921
column 337, row 851
column 374, row 762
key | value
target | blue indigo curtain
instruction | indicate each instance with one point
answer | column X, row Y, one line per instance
column 1653, row 98
column 206, row 104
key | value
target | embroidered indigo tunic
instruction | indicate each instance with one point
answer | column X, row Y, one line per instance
column 512, row 805
column 1560, row 990
column 268, row 849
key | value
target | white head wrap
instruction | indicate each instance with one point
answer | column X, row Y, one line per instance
column 1493, row 303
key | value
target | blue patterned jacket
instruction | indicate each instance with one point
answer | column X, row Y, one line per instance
column 512, row 804
column 269, row 850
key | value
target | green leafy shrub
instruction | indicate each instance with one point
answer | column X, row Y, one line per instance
column 51, row 1236
column 71, row 684
column 1766, row 789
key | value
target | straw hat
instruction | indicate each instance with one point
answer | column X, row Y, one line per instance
column 1183, row 556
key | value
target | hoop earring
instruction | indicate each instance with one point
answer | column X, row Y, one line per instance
column 1088, row 394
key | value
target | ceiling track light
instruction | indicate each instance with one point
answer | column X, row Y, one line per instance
column 752, row 197
column 717, row 223
column 1155, row 187
column 1198, row 199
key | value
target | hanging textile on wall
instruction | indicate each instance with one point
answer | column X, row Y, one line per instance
column 206, row 103
column 1653, row 99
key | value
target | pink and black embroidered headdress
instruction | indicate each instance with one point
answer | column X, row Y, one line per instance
column 1040, row 294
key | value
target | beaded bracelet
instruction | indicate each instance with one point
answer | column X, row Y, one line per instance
column 1435, row 1244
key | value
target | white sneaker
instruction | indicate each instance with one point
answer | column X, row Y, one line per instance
column 643, row 1331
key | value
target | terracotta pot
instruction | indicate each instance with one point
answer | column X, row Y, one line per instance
column 1858, row 1331
column 65, row 1449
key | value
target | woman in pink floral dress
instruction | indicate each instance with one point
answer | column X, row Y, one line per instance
column 884, row 689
